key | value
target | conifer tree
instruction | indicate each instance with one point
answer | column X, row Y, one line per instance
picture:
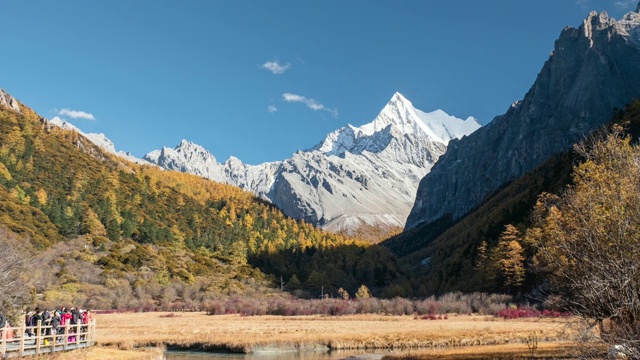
column 363, row 292
column 343, row 294
column 511, row 260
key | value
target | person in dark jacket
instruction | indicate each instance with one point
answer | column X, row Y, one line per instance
column 55, row 324
column 37, row 318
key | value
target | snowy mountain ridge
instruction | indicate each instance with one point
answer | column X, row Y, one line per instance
column 357, row 176
column 403, row 117
column 99, row 140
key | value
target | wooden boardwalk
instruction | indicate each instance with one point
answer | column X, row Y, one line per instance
column 16, row 342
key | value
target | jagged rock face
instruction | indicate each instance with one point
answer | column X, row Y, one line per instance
column 357, row 176
column 194, row 159
column 592, row 70
column 9, row 101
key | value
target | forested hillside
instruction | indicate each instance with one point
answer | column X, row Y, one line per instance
column 472, row 254
column 99, row 222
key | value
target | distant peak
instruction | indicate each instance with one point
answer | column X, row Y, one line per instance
column 9, row 101
column 399, row 98
column 638, row 8
column 473, row 120
column 188, row 145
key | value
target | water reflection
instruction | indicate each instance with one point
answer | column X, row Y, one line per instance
column 289, row 355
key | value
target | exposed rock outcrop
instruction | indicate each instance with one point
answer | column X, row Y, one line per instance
column 593, row 69
column 9, row 101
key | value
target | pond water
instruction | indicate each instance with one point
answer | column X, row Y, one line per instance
column 285, row 355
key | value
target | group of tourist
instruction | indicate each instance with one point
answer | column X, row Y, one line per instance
column 53, row 322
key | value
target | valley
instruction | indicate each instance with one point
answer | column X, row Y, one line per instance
column 415, row 231
column 394, row 334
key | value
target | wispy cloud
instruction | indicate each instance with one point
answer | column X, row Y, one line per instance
column 275, row 67
column 584, row 4
column 311, row 103
column 272, row 109
column 76, row 114
column 626, row 4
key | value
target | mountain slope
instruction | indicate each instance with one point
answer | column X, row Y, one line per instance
column 593, row 70
column 453, row 253
column 99, row 140
column 113, row 233
column 356, row 177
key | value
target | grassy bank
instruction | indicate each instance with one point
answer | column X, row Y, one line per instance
column 106, row 352
column 556, row 350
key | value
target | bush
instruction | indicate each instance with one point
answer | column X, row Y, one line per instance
column 454, row 303
column 527, row 312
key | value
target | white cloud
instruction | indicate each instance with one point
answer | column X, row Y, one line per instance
column 272, row 108
column 275, row 67
column 311, row 103
column 76, row 114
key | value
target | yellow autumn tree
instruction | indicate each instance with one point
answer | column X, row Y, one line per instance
column 510, row 258
column 588, row 239
column 91, row 224
column 363, row 292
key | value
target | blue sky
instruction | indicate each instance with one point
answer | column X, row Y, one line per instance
column 261, row 79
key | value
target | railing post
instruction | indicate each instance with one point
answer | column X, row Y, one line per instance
column 66, row 336
column 93, row 332
column 49, row 336
column 78, row 333
column 38, row 336
column 54, row 338
column 23, row 332
column 3, row 345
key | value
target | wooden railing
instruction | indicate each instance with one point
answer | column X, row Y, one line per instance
column 15, row 342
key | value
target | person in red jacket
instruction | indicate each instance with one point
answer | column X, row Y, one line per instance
column 87, row 316
column 65, row 317
column 86, row 319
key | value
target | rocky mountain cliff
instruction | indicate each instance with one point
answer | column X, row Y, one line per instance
column 357, row 177
column 592, row 70
column 9, row 101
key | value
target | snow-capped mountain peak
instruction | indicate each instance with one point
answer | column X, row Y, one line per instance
column 402, row 118
column 438, row 125
column 357, row 176
column 194, row 151
column 629, row 26
column 398, row 112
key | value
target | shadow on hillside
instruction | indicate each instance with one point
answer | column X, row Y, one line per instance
column 316, row 271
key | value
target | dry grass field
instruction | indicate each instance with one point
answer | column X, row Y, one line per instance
column 432, row 338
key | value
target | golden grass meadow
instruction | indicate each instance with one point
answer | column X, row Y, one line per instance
column 134, row 335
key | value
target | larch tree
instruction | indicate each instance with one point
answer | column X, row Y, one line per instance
column 510, row 258
column 588, row 240
column 363, row 292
